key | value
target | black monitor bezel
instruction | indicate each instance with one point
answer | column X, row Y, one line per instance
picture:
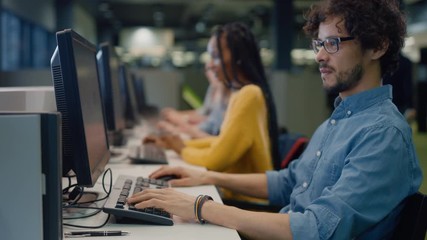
column 132, row 115
column 115, row 117
column 75, row 152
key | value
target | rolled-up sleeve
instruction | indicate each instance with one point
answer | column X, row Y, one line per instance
column 302, row 223
column 280, row 185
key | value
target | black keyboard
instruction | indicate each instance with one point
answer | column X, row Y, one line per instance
column 148, row 153
column 126, row 186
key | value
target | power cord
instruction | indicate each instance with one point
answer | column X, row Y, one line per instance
column 89, row 227
column 76, row 195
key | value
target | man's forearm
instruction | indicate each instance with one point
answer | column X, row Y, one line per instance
column 254, row 225
column 254, row 185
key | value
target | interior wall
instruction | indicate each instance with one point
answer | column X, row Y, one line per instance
column 44, row 14
column 84, row 23
column 197, row 81
column 300, row 100
column 28, row 77
column 162, row 88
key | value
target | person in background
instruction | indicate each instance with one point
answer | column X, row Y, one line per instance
column 203, row 122
column 247, row 142
column 360, row 164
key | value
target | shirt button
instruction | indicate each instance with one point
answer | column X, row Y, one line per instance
column 318, row 153
column 333, row 121
column 349, row 112
column 304, row 185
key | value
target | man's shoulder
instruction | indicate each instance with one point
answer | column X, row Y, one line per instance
column 384, row 116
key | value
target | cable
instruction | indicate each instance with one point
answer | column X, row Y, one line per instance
column 111, row 181
column 66, row 189
column 90, row 227
column 98, row 210
column 103, row 186
column 78, row 192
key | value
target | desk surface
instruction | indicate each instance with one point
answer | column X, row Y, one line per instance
column 180, row 229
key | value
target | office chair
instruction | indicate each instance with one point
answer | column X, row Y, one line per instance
column 413, row 221
column 291, row 146
column 295, row 151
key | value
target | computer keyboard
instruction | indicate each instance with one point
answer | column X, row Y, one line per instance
column 148, row 153
column 126, row 186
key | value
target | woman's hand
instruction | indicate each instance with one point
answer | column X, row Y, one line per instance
column 154, row 139
column 167, row 127
column 168, row 199
column 173, row 116
column 168, row 141
column 184, row 177
column 173, row 142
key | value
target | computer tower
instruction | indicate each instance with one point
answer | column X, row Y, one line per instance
column 31, row 175
column 27, row 99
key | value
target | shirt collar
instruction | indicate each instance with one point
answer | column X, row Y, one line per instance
column 361, row 101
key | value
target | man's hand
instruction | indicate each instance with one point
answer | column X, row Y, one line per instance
column 184, row 177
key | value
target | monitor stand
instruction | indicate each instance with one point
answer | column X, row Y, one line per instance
column 87, row 200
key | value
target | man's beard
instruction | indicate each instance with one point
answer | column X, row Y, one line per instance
column 346, row 80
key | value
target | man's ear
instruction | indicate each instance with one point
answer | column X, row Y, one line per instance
column 379, row 52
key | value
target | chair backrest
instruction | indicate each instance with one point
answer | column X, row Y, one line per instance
column 291, row 146
column 413, row 220
column 296, row 150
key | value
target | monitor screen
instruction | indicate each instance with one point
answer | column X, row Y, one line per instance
column 76, row 84
column 131, row 110
column 145, row 110
column 113, row 102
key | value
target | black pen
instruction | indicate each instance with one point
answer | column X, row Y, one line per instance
column 95, row 233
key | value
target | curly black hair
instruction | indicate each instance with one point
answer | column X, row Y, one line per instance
column 245, row 57
column 374, row 23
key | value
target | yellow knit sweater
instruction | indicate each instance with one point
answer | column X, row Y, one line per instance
column 243, row 145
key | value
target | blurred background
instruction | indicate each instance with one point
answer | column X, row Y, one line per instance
column 165, row 41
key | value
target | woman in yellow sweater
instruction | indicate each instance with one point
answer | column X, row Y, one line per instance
column 247, row 141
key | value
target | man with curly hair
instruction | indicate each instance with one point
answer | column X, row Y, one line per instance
column 360, row 165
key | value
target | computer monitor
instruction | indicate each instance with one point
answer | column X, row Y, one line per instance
column 76, row 84
column 138, row 83
column 131, row 110
column 113, row 102
column 145, row 110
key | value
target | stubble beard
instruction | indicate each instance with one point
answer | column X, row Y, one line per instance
column 346, row 80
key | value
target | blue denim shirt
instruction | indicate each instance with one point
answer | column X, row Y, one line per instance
column 351, row 179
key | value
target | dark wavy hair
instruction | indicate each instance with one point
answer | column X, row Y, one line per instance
column 245, row 57
column 372, row 22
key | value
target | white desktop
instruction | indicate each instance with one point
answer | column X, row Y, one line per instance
column 180, row 230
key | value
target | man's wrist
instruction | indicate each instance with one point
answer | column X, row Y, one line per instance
column 198, row 204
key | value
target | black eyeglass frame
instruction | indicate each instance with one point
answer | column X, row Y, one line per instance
column 316, row 42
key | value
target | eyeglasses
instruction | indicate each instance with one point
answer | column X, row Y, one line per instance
column 331, row 44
